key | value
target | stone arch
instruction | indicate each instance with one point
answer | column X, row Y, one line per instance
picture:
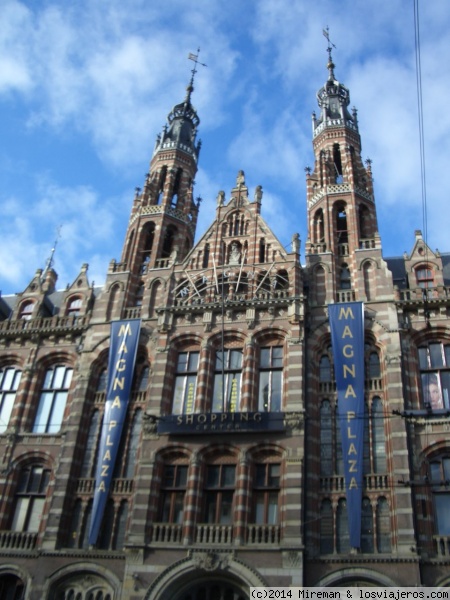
column 85, row 574
column 356, row 574
column 222, row 567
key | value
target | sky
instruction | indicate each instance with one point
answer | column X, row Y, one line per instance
column 86, row 86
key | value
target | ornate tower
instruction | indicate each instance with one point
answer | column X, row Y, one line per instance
column 164, row 215
column 342, row 217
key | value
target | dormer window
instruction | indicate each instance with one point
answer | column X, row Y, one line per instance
column 74, row 307
column 26, row 311
column 424, row 277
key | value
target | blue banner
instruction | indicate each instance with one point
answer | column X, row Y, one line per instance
column 122, row 357
column 347, row 339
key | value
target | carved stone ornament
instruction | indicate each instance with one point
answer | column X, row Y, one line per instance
column 150, row 423
column 294, row 420
column 211, row 561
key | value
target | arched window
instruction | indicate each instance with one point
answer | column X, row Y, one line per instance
column 161, row 183
column 337, row 164
column 228, row 372
column 11, row 587
column 168, row 243
column 121, row 528
column 320, row 285
column 30, row 498
column 345, row 278
column 74, row 307
column 270, row 379
column 9, row 383
column 133, row 444
column 176, row 187
column 366, row 526
column 185, row 383
column 106, row 530
column 112, row 307
column 364, row 222
column 139, row 295
column 90, row 446
column 369, row 283
column 154, row 299
column 319, row 227
column 73, row 540
column 374, row 366
column 383, row 525
column 219, row 493
column 324, row 369
column 326, row 439
column 173, row 492
column 147, row 237
column 342, row 534
column 205, row 257
column 378, row 437
column 53, row 398
column 326, row 527
column 143, row 379
column 262, row 250
column 434, row 361
column 341, row 224
column 439, row 476
column 26, row 310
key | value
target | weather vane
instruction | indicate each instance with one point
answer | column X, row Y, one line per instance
column 194, row 57
column 326, row 33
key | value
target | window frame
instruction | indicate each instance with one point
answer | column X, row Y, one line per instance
column 219, row 496
column 230, row 401
column 173, row 493
column 8, row 392
column 266, row 491
column 434, row 366
column 185, row 382
column 271, row 369
column 52, row 398
column 30, row 497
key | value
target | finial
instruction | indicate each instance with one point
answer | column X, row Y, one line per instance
column 190, row 87
column 49, row 263
column 330, row 65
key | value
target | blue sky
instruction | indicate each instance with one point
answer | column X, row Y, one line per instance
column 86, row 86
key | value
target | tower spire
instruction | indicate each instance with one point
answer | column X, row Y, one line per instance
column 190, row 88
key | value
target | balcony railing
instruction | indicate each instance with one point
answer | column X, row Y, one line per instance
column 118, row 486
column 43, row 324
column 263, row 534
column 442, row 545
column 17, row 540
column 167, row 533
column 336, row 483
column 214, row 534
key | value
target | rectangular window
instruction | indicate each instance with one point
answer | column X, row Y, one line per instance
column 173, row 493
column 219, row 492
column 30, row 499
column 270, row 379
column 228, row 372
column 52, row 402
column 434, row 361
column 266, row 494
column 185, row 383
column 9, row 382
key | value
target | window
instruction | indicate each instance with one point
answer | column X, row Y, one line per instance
column 74, row 307
column 341, row 225
column 270, row 379
column 53, row 399
column 326, row 439
column 424, row 277
column 378, row 437
column 9, row 382
column 383, row 526
column 434, row 361
column 228, row 375
column 325, row 369
column 26, row 311
column 326, row 527
column 173, row 493
column 366, row 526
column 342, row 534
column 345, row 279
column 439, row 475
column 90, row 446
column 266, row 493
column 374, row 366
column 220, row 481
column 30, row 498
column 11, row 587
column 185, row 383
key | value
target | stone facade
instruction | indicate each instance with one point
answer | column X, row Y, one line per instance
column 230, row 468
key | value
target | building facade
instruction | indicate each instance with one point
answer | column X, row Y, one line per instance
column 230, row 469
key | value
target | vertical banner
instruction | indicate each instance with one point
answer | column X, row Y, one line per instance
column 122, row 357
column 347, row 339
